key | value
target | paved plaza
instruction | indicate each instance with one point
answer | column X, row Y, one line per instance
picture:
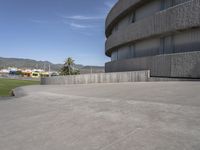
column 125, row 116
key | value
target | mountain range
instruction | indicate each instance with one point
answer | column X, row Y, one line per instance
column 33, row 64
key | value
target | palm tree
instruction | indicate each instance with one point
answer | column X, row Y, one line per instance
column 68, row 69
column 69, row 63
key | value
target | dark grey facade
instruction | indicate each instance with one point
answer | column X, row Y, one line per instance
column 162, row 36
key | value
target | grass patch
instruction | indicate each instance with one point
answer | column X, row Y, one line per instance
column 6, row 85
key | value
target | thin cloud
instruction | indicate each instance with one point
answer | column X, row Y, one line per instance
column 79, row 26
column 77, row 17
column 37, row 21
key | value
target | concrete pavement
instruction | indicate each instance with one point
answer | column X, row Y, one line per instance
column 125, row 116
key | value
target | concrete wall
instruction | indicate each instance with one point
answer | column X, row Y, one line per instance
column 180, row 17
column 164, row 41
column 147, row 10
column 137, row 76
column 185, row 65
column 124, row 7
column 118, row 12
column 179, row 42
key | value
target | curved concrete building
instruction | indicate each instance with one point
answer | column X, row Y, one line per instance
column 162, row 36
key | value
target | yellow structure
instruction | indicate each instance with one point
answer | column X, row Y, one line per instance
column 35, row 75
column 44, row 74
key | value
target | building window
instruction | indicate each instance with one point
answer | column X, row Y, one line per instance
column 187, row 41
column 167, row 45
column 132, row 50
column 149, row 47
column 133, row 17
column 114, row 55
column 116, row 27
column 124, row 53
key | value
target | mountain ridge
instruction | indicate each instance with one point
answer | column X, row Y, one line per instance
column 34, row 64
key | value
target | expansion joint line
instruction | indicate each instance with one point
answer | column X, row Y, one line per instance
column 120, row 139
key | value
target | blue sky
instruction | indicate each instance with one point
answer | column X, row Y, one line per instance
column 54, row 29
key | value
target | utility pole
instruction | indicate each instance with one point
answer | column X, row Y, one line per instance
column 72, row 68
column 36, row 66
column 44, row 67
column 69, row 67
column 49, row 70
column 91, row 71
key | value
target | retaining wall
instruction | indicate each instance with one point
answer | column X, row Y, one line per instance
column 181, row 65
column 136, row 76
